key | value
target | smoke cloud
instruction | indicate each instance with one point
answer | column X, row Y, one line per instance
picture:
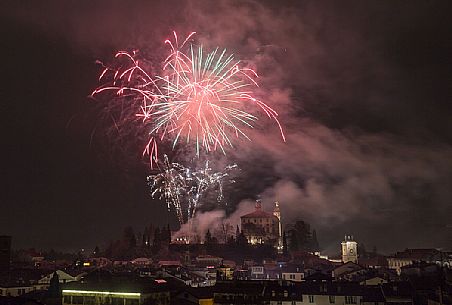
column 361, row 94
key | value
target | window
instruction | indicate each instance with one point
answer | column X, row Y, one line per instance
column 332, row 299
column 350, row 299
column 132, row 302
column 77, row 299
column 117, row 301
column 89, row 300
column 67, row 299
column 311, row 298
column 292, row 276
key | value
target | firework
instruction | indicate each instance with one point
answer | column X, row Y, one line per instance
column 170, row 183
column 183, row 188
column 203, row 180
column 202, row 99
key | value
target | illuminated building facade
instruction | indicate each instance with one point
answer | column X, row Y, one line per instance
column 260, row 227
column 101, row 297
column 115, row 291
column 349, row 250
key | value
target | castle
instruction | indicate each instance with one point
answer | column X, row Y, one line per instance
column 261, row 227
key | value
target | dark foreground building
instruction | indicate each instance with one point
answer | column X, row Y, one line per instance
column 102, row 288
column 5, row 253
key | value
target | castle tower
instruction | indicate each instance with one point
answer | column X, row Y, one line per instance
column 258, row 205
column 349, row 250
column 277, row 213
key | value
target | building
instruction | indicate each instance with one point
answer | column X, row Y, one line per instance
column 277, row 213
column 410, row 256
column 5, row 253
column 349, row 250
column 292, row 272
column 116, row 290
column 14, row 289
column 63, row 277
column 260, row 227
column 348, row 271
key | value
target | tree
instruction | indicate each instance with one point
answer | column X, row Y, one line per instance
column 129, row 238
column 208, row 238
column 241, row 240
column 109, row 250
column 145, row 237
column 293, row 240
column 54, row 287
column 157, row 242
column 284, row 242
column 361, row 250
column 168, row 234
column 96, row 251
column 314, row 242
column 231, row 240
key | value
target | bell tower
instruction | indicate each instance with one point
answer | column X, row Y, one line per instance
column 277, row 213
column 349, row 250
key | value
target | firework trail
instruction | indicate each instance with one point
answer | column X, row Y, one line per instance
column 204, row 179
column 198, row 98
column 183, row 188
column 170, row 183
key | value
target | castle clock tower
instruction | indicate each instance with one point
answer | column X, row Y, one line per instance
column 349, row 250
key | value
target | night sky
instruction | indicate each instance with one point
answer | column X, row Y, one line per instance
column 364, row 89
